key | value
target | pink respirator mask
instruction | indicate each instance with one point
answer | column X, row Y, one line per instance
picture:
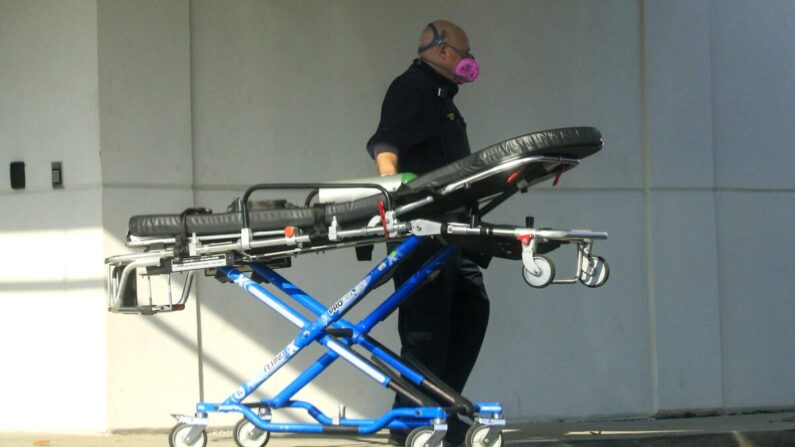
column 466, row 70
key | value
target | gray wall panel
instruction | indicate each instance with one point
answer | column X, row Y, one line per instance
column 544, row 340
column 756, row 260
column 151, row 361
column 144, row 86
column 284, row 95
column 48, row 92
column 753, row 93
column 679, row 93
column 51, row 272
column 687, row 308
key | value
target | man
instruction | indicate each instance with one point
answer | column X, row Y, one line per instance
column 443, row 323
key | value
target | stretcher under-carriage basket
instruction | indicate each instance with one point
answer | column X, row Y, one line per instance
column 249, row 242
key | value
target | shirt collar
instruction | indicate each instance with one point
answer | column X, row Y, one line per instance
column 450, row 87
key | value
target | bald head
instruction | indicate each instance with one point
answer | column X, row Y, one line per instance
column 449, row 32
column 445, row 48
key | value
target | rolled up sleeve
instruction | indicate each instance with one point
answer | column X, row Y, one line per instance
column 401, row 124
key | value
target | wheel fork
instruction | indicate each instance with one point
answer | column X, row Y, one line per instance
column 495, row 424
column 529, row 244
column 197, row 424
column 439, row 430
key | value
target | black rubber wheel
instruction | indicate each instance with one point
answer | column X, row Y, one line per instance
column 176, row 438
column 419, row 436
column 242, row 434
column 601, row 272
column 476, row 437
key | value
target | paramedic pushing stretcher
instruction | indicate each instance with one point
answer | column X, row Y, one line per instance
column 443, row 323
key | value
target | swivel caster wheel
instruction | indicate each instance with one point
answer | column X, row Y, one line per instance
column 419, row 436
column 595, row 271
column 178, row 437
column 477, row 436
column 247, row 434
column 545, row 275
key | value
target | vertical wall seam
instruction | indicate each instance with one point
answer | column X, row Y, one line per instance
column 99, row 112
column 715, row 204
column 199, row 341
column 649, row 246
column 101, row 186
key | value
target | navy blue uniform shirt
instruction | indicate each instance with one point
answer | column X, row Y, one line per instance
column 419, row 121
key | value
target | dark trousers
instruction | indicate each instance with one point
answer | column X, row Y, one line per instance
column 443, row 323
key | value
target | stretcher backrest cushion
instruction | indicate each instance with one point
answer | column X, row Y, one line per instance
column 569, row 142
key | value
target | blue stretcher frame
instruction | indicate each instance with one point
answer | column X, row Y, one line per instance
column 315, row 331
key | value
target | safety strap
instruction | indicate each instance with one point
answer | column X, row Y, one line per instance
column 181, row 242
column 319, row 224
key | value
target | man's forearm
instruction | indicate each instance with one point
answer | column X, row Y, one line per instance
column 386, row 163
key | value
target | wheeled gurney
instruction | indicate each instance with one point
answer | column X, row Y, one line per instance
column 246, row 244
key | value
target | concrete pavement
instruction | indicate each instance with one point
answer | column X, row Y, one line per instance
column 751, row 430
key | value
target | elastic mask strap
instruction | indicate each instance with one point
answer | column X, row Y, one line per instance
column 437, row 40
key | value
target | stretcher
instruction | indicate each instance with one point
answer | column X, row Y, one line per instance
column 251, row 240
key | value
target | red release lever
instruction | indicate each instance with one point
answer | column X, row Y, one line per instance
column 514, row 175
column 382, row 213
column 525, row 238
column 557, row 177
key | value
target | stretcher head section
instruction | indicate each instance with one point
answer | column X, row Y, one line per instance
column 574, row 143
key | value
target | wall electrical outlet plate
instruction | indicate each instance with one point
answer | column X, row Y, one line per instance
column 57, row 174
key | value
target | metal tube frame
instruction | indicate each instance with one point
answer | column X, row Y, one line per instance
column 348, row 238
column 359, row 332
column 315, row 331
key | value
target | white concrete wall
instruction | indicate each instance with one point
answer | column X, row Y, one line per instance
column 681, row 263
column 147, row 167
column 52, row 342
column 296, row 96
column 721, row 191
column 754, row 128
column 191, row 101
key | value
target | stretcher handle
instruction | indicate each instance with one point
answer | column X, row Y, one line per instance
column 270, row 186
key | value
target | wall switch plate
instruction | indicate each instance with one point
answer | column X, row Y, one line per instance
column 57, row 174
column 17, row 175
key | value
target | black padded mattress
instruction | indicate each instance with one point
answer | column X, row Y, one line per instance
column 570, row 142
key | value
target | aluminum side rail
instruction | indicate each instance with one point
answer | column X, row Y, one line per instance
column 464, row 183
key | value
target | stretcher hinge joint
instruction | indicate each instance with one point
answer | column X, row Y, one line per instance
column 332, row 230
column 245, row 239
column 422, row 227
